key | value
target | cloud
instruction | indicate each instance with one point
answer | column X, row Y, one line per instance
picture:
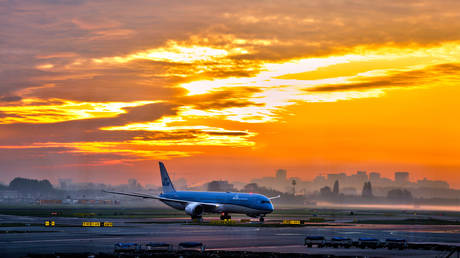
column 416, row 78
column 83, row 129
column 10, row 98
column 101, row 135
column 274, row 32
column 57, row 55
column 51, row 111
column 229, row 133
column 95, row 23
column 224, row 98
column 149, row 112
column 87, row 81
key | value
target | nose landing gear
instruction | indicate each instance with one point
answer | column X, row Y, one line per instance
column 261, row 219
column 198, row 219
column 225, row 216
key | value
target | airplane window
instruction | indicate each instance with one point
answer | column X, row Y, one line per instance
column 263, row 201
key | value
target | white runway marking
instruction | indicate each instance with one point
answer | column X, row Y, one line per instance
column 289, row 234
column 257, row 247
column 60, row 240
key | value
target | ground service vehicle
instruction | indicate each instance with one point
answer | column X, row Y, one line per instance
column 126, row 248
column 154, row 246
column 395, row 243
column 337, row 242
column 319, row 241
column 368, row 242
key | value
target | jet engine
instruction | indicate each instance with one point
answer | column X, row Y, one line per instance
column 194, row 209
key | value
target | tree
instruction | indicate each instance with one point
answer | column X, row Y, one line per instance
column 325, row 191
column 293, row 186
column 399, row 195
column 287, row 198
column 252, row 188
column 336, row 187
column 367, row 190
column 133, row 184
column 220, row 186
column 31, row 185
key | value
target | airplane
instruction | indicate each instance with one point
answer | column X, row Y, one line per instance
column 196, row 203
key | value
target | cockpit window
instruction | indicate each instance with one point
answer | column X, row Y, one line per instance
column 264, row 202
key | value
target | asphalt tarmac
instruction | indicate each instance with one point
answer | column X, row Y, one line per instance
column 69, row 236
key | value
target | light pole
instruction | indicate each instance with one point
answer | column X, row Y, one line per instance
column 293, row 185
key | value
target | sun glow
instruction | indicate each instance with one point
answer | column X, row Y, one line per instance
column 284, row 84
column 191, row 134
column 174, row 52
column 260, row 96
column 137, row 150
column 60, row 110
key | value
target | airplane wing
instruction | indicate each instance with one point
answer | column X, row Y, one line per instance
column 148, row 196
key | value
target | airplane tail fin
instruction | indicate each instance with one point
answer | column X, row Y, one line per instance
column 168, row 187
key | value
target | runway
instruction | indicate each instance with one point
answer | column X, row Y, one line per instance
column 69, row 236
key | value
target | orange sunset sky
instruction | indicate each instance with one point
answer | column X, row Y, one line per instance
column 101, row 90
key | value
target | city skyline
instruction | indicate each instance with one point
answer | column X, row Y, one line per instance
column 98, row 91
column 281, row 178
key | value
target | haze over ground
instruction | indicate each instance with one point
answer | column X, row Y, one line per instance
column 100, row 91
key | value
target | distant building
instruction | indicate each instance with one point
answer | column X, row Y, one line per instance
column 133, row 184
column 281, row 174
column 358, row 179
column 425, row 183
column 45, row 202
column 9, row 195
column 279, row 182
column 220, row 186
column 374, row 177
column 319, row 180
column 353, row 184
column 361, row 173
column 401, row 177
column 180, row 183
column 349, row 191
column 93, row 201
column 69, row 200
column 336, row 177
column 65, row 183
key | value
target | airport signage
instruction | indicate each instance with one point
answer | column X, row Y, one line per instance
column 96, row 224
column 293, row 222
column 50, row 223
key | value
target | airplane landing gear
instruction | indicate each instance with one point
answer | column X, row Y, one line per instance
column 261, row 219
column 197, row 218
column 225, row 216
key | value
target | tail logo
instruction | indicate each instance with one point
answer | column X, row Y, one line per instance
column 166, row 182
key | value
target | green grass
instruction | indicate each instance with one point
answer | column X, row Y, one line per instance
column 409, row 222
column 307, row 214
column 16, row 224
column 24, row 231
column 134, row 212
column 265, row 225
column 91, row 212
